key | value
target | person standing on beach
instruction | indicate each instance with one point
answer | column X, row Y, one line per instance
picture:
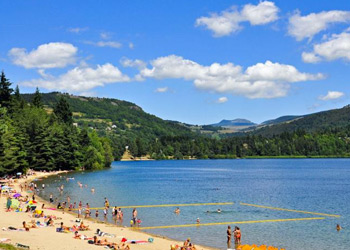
column 105, row 212
column 96, row 214
column 87, row 210
column 237, row 234
column 51, row 198
column 106, row 203
column 134, row 216
column 120, row 215
column 229, row 234
column 79, row 212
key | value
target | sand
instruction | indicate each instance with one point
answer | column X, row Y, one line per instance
column 48, row 238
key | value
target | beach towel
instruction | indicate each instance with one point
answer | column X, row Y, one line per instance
column 137, row 242
column 5, row 240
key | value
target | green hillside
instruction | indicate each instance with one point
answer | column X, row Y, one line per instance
column 325, row 120
column 124, row 122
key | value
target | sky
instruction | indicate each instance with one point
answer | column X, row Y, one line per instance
column 197, row 61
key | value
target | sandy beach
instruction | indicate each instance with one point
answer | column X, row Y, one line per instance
column 48, row 238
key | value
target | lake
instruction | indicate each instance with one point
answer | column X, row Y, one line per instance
column 315, row 185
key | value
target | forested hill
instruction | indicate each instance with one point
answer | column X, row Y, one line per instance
column 321, row 121
column 124, row 122
column 103, row 113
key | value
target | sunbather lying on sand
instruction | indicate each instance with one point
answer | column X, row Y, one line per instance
column 26, row 227
column 82, row 227
column 121, row 246
column 49, row 221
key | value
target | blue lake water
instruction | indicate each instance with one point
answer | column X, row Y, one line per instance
column 316, row 185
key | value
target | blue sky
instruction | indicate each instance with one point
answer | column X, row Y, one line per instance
column 193, row 61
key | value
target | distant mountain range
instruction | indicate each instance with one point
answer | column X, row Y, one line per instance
column 240, row 124
column 330, row 119
column 234, row 123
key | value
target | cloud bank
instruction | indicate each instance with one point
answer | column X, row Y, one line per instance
column 332, row 95
column 262, row 80
column 301, row 27
column 45, row 56
column 80, row 79
column 336, row 47
column 228, row 21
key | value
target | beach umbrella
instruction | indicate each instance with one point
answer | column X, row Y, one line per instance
column 17, row 195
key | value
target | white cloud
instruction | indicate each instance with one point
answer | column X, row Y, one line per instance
column 228, row 21
column 263, row 80
column 222, row 99
column 126, row 62
column 131, row 45
column 89, row 94
column 80, row 79
column 50, row 55
column 337, row 47
column 302, row 27
column 105, row 35
column 263, row 13
column 110, row 44
column 77, row 30
column 162, row 90
column 310, row 57
column 332, row 95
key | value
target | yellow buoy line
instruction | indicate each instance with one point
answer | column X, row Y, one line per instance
column 289, row 210
column 228, row 223
column 171, row 205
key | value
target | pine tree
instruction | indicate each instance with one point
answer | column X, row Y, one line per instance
column 63, row 112
column 17, row 101
column 37, row 99
column 12, row 150
column 17, row 95
column 5, row 91
column 41, row 152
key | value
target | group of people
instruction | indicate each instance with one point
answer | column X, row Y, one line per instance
column 236, row 234
column 187, row 245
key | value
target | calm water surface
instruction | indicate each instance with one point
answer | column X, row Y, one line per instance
column 317, row 185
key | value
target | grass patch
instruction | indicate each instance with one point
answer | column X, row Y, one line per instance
column 7, row 247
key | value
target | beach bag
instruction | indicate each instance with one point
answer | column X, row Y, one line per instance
column 22, row 246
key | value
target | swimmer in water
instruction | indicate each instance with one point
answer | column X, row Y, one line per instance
column 338, row 227
column 177, row 211
column 92, row 190
column 198, row 221
column 219, row 210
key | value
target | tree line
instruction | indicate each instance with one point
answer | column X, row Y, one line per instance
column 30, row 137
column 325, row 143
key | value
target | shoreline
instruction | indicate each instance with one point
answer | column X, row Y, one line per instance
column 245, row 158
column 45, row 238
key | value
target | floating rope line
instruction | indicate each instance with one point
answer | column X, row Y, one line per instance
column 228, row 223
column 289, row 210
